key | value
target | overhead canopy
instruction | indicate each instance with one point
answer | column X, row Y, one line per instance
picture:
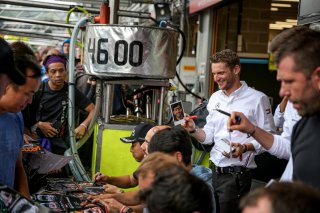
column 15, row 15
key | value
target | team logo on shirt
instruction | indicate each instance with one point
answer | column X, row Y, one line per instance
column 217, row 106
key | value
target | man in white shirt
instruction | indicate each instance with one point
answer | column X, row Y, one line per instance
column 298, row 71
column 279, row 145
column 278, row 115
column 231, row 171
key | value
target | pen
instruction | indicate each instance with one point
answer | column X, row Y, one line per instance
column 193, row 117
column 238, row 119
column 95, row 179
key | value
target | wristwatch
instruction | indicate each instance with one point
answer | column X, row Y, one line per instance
column 193, row 131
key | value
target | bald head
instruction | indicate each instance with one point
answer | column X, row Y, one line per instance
column 150, row 134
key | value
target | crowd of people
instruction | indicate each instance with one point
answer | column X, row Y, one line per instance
column 166, row 179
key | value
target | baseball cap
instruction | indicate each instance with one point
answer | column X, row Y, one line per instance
column 7, row 64
column 68, row 40
column 138, row 134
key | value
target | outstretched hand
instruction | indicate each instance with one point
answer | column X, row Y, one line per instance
column 111, row 204
column 100, row 178
column 111, row 189
column 242, row 124
column 80, row 131
column 189, row 124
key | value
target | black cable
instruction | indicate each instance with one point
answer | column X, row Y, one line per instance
column 180, row 56
column 179, row 59
column 169, row 121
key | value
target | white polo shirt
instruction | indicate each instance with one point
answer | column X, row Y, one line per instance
column 254, row 105
column 278, row 117
column 281, row 146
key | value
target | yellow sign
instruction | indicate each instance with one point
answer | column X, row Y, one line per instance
column 189, row 68
column 272, row 65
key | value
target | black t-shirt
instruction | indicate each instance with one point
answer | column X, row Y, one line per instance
column 305, row 148
column 52, row 106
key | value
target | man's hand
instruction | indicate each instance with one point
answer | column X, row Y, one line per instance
column 111, row 204
column 97, row 207
column 237, row 150
column 90, row 198
column 244, row 125
column 189, row 124
column 47, row 129
column 111, row 189
column 80, row 131
column 100, row 178
column 27, row 139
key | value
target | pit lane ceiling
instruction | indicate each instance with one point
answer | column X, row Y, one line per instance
column 50, row 35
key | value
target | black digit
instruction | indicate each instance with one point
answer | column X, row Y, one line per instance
column 93, row 49
column 140, row 53
column 102, row 51
column 125, row 53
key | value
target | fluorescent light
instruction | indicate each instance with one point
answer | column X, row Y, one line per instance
column 286, row 23
column 274, row 9
column 281, row 25
column 280, row 5
column 275, row 28
column 55, row 2
column 291, row 20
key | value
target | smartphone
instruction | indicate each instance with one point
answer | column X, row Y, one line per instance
column 56, row 124
column 224, row 146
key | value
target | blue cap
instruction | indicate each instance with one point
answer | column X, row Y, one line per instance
column 66, row 41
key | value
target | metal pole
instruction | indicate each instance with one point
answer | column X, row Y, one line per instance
column 71, row 114
column 48, row 23
column 161, row 105
column 114, row 8
column 34, row 35
column 90, row 129
column 134, row 14
column 182, row 17
column 46, row 5
column 155, row 105
column 108, row 98
column 108, row 90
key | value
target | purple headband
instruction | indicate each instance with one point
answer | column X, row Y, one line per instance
column 54, row 59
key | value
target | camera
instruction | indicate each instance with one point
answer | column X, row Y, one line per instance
column 56, row 124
